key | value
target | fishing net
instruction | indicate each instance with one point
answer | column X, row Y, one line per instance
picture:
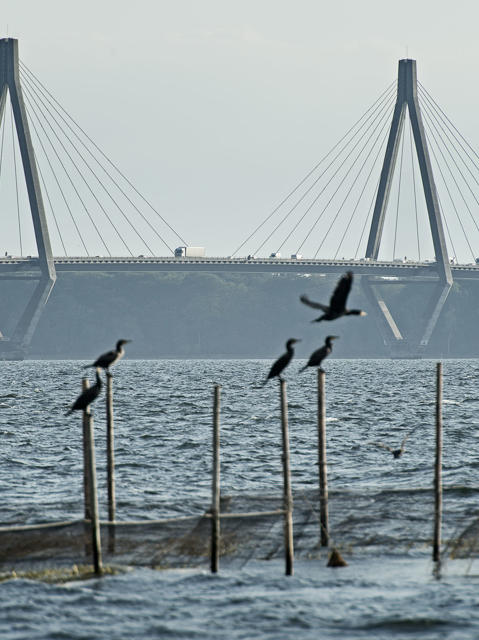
column 252, row 527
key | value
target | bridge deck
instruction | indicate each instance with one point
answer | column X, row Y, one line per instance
column 29, row 267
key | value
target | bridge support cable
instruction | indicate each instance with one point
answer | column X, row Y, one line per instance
column 37, row 99
column 437, row 133
column 382, row 123
column 52, row 101
column 67, row 174
column 381, row 118
column 373, row 165
column 58, row 183
column 340, row 208
column 16, row 347
column 371, row 111
column 385, row 121
column 367, row 220
column 444, row 217
column 330, row 180
column 449, row 192
column 51, row 206
column 449, row 126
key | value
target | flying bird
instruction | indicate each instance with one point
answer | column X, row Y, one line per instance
column 88, row 396
column 320, row 354
column 282, row 362
column 337, row 305
column 110, row 357
column 397, row 453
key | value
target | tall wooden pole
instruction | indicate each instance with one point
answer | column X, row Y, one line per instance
column 86, row 472
column 86, row 477
column 95, row 521
column 323, row 470
column 215, row 507
column 110, row 452
column 287, row 498
column 436, row 555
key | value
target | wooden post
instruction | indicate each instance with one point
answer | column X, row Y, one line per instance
column 436, row 555
column 86, row 473
column 86, row 477
column 323, row 469
column 95, row 521
column 215, row 507
column 287, row 498
column 110, row 453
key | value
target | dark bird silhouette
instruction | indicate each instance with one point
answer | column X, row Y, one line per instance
column 397, row 453
column 337, row 305
column 88, row 396
column 282, row 362
column 320, row 354
column 110, row 357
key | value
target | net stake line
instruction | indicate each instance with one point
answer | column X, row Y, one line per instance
column 215, row 506
column 95, row 522
column 110, row 455
column 323, row 469
column 288, row 499
column 436, row 556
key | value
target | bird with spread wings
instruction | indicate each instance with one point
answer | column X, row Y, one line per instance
column 397, row 453
column 337, row 305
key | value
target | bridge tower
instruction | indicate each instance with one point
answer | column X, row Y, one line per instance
column 16, row 346
column 414, row 344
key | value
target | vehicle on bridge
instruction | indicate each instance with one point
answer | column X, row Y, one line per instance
column 190, row 252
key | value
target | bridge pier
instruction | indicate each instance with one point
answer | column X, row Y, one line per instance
column 415, row 344
column 398, row 344
column 16, row 347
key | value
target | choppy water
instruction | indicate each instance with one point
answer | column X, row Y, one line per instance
column 163, row 466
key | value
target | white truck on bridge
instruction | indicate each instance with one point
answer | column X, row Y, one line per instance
column 190, row 252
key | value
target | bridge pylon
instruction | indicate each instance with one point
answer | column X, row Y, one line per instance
column 15, row 347
column 412, row 345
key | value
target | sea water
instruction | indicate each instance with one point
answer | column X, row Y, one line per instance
column 163, row 423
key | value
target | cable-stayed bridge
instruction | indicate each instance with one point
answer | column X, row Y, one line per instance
column 403, row 158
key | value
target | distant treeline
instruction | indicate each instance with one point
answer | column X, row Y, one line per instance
column 202, row 315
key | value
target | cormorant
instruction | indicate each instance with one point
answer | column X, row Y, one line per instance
column 110, row 357
column 88, row 396
column 337, row 305
column 282, row 362
column 320, row 354
column 397, row 453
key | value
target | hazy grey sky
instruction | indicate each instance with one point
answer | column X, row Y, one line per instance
column 215, row 110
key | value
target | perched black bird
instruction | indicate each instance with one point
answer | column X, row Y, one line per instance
column 320, row 354
column 88, row 396
column 397, row 453
column 282, row 363
column 337, row 305
column 110, row 357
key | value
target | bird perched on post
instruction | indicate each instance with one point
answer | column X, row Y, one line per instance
column 320, row 354
column 337, row 305
column 110, row 357
column 397, row 453
column 88, row 396
column 282, row 362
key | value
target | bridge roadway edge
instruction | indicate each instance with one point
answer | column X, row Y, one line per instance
column 29, row 267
